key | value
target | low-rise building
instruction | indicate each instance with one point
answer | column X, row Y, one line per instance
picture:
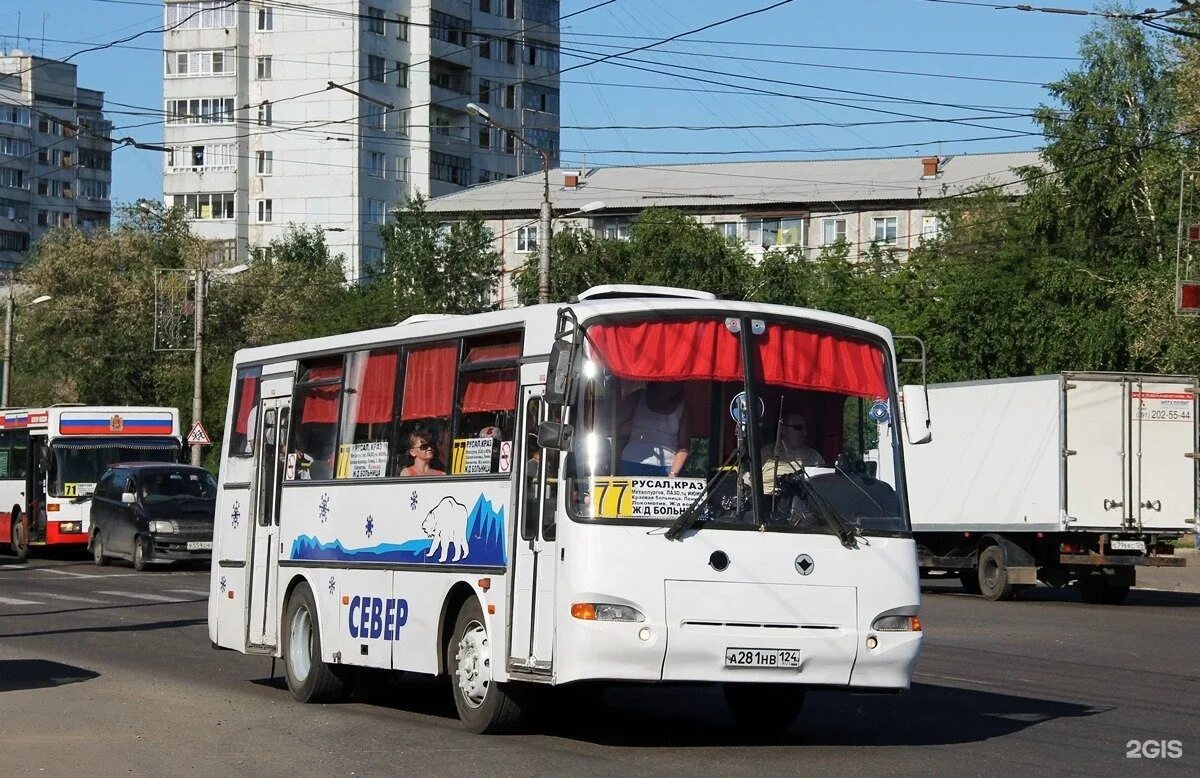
column 767, row 205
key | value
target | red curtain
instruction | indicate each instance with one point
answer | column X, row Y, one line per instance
column 490, row 390
column 378, row 391
column 245, row 403
column 493, row 352
column 429, row 382
column 706, row 350
column 322, row 403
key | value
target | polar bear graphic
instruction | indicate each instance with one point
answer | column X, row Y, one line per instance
column 446, row 524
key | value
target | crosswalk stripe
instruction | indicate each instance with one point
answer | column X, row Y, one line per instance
column 73, row 598
column 140, row 596
column 15, row 601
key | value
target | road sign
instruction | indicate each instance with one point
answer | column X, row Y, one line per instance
column 198, row 436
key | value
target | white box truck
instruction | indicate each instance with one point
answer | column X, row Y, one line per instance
column 1076, row 478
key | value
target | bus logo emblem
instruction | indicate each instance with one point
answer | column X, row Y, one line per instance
column 805, row 564
column 116, row 423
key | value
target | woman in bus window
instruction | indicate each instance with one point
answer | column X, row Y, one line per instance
column 421, row 453
column 659, row 431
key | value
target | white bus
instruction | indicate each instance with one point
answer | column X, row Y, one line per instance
column 51, row 458
column 550, row 495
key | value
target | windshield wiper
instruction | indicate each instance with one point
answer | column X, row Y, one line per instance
column 691, row 514
column 824, row 509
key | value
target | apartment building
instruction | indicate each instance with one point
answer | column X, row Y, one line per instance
column 768, row 206
column 55, row 153
column 329, row 112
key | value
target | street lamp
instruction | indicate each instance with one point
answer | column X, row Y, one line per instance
column 544, row 218
column 10, row 309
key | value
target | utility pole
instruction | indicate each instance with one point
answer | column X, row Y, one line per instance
column 198, row 369
column 10, row 303
column 545, row 215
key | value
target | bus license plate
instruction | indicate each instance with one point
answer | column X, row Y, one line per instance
column 1128, row 545
column 762, row 657
column 199, row 545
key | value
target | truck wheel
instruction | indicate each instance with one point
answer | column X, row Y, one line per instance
column 969, row 580
column 993, row 574
column 20, row 541
column 485, row 706
column 764, row 707
column 308, row 678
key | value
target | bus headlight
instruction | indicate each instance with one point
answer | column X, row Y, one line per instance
column 897, row 624
column 161, row 526
column 605, row 611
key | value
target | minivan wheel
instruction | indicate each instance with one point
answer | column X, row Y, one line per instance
column 139, row 554
column 98, row 551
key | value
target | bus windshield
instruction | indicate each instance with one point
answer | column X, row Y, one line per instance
column 76, row 469
column 668, row 423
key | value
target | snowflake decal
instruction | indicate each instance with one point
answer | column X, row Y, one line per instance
column 370, row 526
column 323, row 508
column 412, row 501
column 235, row 517
column 223, row 584
column 332, row 584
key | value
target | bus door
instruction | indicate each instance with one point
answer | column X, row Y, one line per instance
column 35, row 488
column 273, row 419
column 535, row 548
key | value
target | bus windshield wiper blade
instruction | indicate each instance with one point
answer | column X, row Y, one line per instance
column 691, row 514
column 845, row 532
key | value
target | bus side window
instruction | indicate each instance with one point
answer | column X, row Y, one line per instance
column 5, row 453
column 550, row 498
column 245, row 412
column 532, row 457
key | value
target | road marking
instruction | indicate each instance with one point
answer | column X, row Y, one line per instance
column 140, row 596
column 193, row 592
column 73, row 598
column 56, row 571
column 15, row 601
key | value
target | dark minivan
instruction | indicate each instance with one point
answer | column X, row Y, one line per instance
column 153, row 512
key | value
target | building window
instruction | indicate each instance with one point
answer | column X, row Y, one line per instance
column 14, row 179
column 375, row 23
column 526, row 240
column 544, row 11
column 884, row 229
column 217, row 62
column 200, row 110
column 404, row 121
column 728, row 230
column 203, row 15
column 263, row 69
column 375, row 212
column 541, row 57
column 485, row 176
column 485, row 6
column 13, row 241
column 510, row 52
column 485, row 47
column 931, row 228
column 832, row 231
column 264, row 211
column 510, row 144
column 401, row 168
column 12, row 114
column 451, row 29
column 485, row 91
column 372, row 116
column 265, row 162
column 264, row 113
column 541, row 99
column 510, row 9
column 767, row 233
column 450, row 168
column 266, row 19
column 93, row 190
column 14, row 147
column 401, row 75
column 376, row 68
column 402, row 28
column 510, row 96
column 206, row 205
column 376, row 164
column 485, row 137
column 613, row 227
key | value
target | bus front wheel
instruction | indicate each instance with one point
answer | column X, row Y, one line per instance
column 766, row 708
column 19, row 539
column 484, row 705
column 308, row 678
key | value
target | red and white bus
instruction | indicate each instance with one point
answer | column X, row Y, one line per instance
column 52, row 457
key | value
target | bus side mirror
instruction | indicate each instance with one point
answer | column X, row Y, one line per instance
column 915, row 407
column 558, row 372
column 555, row 435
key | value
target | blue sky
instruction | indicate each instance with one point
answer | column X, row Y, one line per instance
column 781, row 45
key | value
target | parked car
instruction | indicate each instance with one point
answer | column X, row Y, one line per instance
column 150, row 512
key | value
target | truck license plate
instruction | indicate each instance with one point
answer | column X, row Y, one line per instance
column 1128, row 545
column 199, row 545
column 762, row 657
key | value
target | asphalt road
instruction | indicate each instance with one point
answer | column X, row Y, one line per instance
column 106, row 672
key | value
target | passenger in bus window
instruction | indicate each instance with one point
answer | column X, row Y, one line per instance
column 789, row 452
column 659, row 431
column 421, row 452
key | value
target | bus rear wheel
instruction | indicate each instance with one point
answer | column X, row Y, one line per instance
column 19, row 540
column 766, row 708
column 484, row 705
column 309, row 679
